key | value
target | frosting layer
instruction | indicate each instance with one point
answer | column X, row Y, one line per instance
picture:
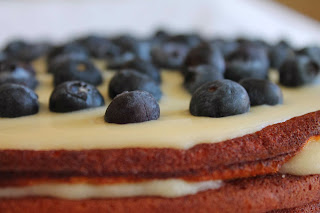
column 306, row 162
column 176, row 128
column 163, row 188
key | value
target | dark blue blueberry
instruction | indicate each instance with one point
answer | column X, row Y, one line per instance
column 191, row 40
column 74, row 95
column 298, row 71
column 119, row 61
column 77, row 70
column 55, row 63
column 196, row 76
column 248, row 61
column 23, row 51
column 17, row 73
column 17, row 100
column 100, row 47
column 225, row 46
column 132, row 107
column 144, row 67
column 313, row 52
column 3, row 56
column 144, row 50
column 279, row 53
column 130, row 80
column 126, row 43
column 262, row 92
column 205, row 54
column 160, row 35
column 169, row 55
column 67, row 49
column 219, row 99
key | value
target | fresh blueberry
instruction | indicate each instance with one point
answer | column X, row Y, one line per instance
column 299, row 71
column 313, row 52
column 144, row 67
column 169, row 55
column 23, row 51
column 78, row 70
column 119, row 61
column 160, row 35
column 219, row 99
column 74, row 95
column 225, row 46
column 199, row 75
column 126, row 43
column 3, row 56
column 144, row 49
column 130, row 80
column 279, row 53
column 191, row 40
column 262, row 91
column 248, row 61
column 100, row 47
column 17, row 100
column 255, row 42
column 132, row 107
column 55, row 63
column 205, row 54
column 17, row 73
column 67, row 49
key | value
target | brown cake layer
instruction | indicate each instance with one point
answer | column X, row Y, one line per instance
column 313, row 207
column 262, row 152
column 259, row 194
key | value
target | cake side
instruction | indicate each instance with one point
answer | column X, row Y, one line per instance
column 255, row 154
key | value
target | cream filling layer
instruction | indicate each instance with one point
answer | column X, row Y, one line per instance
column 165, row 188
column 176, row 128
column 307, row 162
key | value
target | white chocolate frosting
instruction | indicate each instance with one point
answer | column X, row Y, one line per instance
column 176, row 128
column 307, row 162
column 164, row 188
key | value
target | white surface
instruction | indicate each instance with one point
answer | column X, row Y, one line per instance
column 59, row 20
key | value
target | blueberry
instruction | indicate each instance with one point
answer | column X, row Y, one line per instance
column 67, row 49
column 248, row 61
column 199, row 75
column 225, row 46
column 17, row 100
column 132, row 107
column 313, row 52
column 262, row 91
column 219, row 99
column 3, row 56
column 169, row 55
column 130, row 80
column 55, row 63
column 279, row 53
column 143, row 67
column 17, row 73
column 160, row 35
column 74, row 95
column 78, row 70
column 205, row 54
column 126, row 43
column 144, row 49
column 119, row 61
column 191, row 40
column 23, row 51
column 298, row 71
column 100, row 47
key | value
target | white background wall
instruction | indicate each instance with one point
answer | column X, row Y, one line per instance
column 59, row 20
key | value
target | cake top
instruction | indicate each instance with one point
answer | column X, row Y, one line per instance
column 220, row 89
